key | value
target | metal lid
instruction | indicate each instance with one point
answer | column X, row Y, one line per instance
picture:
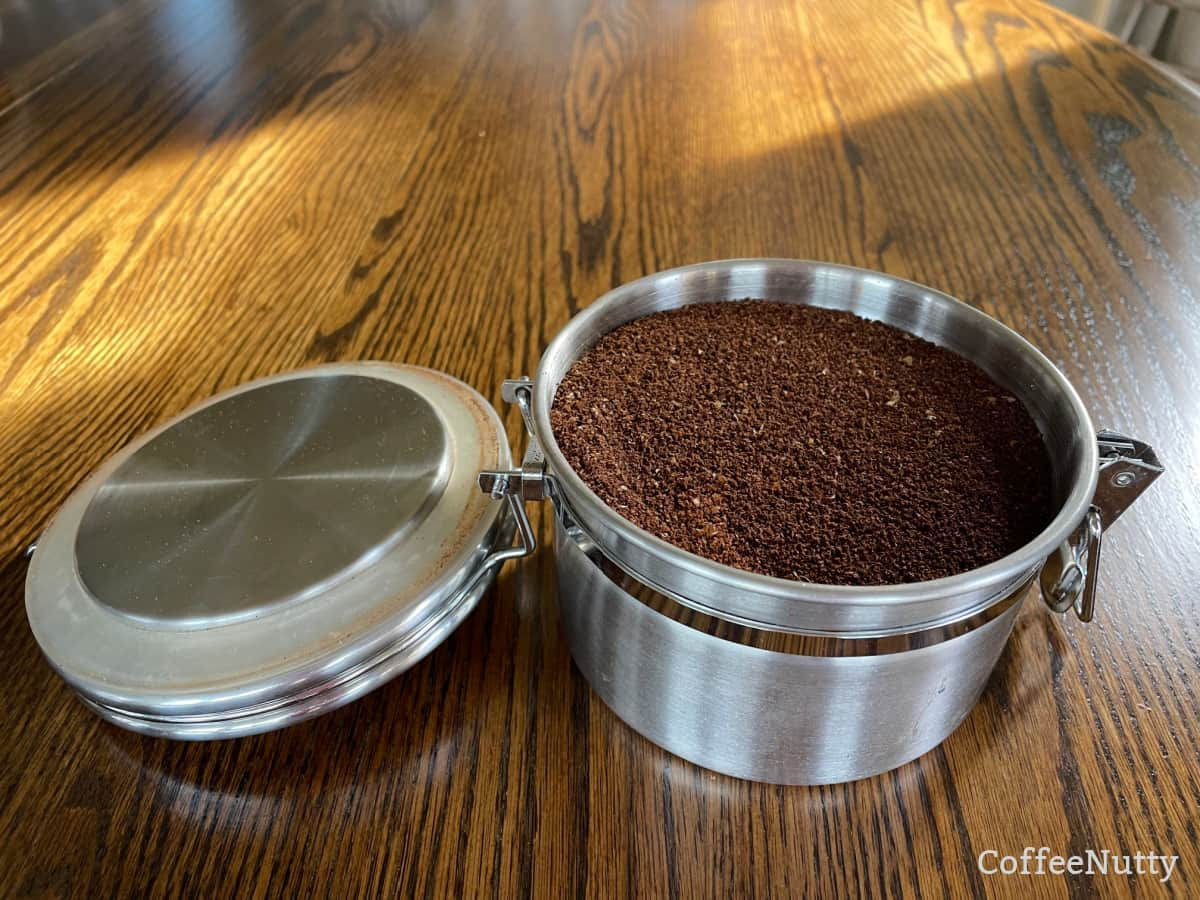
column 272, row 553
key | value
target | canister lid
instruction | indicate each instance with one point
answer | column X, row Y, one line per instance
column 273, row 552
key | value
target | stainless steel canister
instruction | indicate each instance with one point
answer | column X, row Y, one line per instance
column 797, row 683
column 285, row 546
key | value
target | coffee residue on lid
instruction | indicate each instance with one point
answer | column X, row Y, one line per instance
column 804, row 443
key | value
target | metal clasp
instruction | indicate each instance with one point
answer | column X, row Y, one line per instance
column 1068, row 577
column 520, row 392
column 515, row 486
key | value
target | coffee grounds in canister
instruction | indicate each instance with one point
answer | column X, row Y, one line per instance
column 804, row 443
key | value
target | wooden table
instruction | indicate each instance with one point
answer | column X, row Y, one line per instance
column 195, row 192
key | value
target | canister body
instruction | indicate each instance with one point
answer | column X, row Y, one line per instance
column 769, row 706
column 786, row 681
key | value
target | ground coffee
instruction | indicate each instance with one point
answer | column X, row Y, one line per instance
column 804, row 443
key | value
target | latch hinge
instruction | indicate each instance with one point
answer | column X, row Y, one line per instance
column 1069, row 576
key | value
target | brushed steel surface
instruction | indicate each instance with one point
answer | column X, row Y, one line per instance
column 269, row 496
column 780, row 604
column 287, row 707
column 778, row 641
column 784, row 718
column 387, row 592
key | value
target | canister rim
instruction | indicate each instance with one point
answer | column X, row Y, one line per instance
column 789, row 603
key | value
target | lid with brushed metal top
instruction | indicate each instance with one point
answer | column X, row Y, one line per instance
column 274, row 552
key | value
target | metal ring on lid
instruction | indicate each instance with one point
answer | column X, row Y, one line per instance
column 274, row 552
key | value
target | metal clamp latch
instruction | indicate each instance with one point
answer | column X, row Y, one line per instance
column 515, row 486
column 1068, row 577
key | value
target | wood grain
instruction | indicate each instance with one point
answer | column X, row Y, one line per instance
column 197, row 192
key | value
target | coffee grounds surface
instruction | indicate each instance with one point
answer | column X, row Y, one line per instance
column 804, row 443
